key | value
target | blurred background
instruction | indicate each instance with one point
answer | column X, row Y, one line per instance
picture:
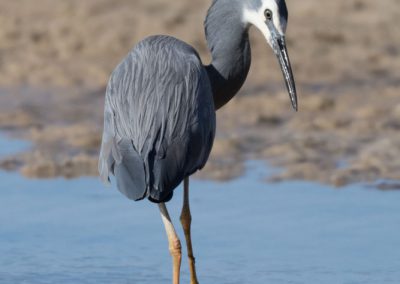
column 56, row 57
column 55, row 60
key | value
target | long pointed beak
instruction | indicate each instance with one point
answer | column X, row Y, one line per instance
column 279, row 46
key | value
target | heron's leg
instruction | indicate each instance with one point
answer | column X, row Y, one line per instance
column 174, row 243
column 186, row 220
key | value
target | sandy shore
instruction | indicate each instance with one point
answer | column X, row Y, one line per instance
column 56, row 56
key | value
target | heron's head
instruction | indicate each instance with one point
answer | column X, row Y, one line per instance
column 270, row 17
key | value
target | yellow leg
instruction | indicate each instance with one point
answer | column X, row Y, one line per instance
column 186, row 220
column 174, row 243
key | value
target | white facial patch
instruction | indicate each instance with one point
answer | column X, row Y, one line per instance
column 257, row 18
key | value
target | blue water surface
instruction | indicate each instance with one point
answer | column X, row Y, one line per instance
column 244, row 231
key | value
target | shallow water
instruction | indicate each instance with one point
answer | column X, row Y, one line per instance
column 244, row 231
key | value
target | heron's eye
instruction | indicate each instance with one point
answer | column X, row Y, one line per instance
column 268, row 14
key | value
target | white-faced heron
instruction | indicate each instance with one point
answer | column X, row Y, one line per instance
column 159, row 117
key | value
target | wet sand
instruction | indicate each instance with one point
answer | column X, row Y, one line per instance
column 55, row 59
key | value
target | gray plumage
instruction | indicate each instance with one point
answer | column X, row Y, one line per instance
column 159, row 117
column 228, row 41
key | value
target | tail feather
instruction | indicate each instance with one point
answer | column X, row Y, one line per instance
column 169, row 170
column 130, row 172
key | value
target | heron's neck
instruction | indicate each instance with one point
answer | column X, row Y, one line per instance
column 229, row 45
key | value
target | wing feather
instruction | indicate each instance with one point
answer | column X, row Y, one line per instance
column 160, row 98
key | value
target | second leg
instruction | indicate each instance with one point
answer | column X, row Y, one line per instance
column 186, row 220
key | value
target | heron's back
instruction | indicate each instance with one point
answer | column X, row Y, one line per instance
column 159, row 120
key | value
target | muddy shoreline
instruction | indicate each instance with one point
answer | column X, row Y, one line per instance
column 345, row 57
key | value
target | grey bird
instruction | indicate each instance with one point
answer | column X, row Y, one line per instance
column 159, row 117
